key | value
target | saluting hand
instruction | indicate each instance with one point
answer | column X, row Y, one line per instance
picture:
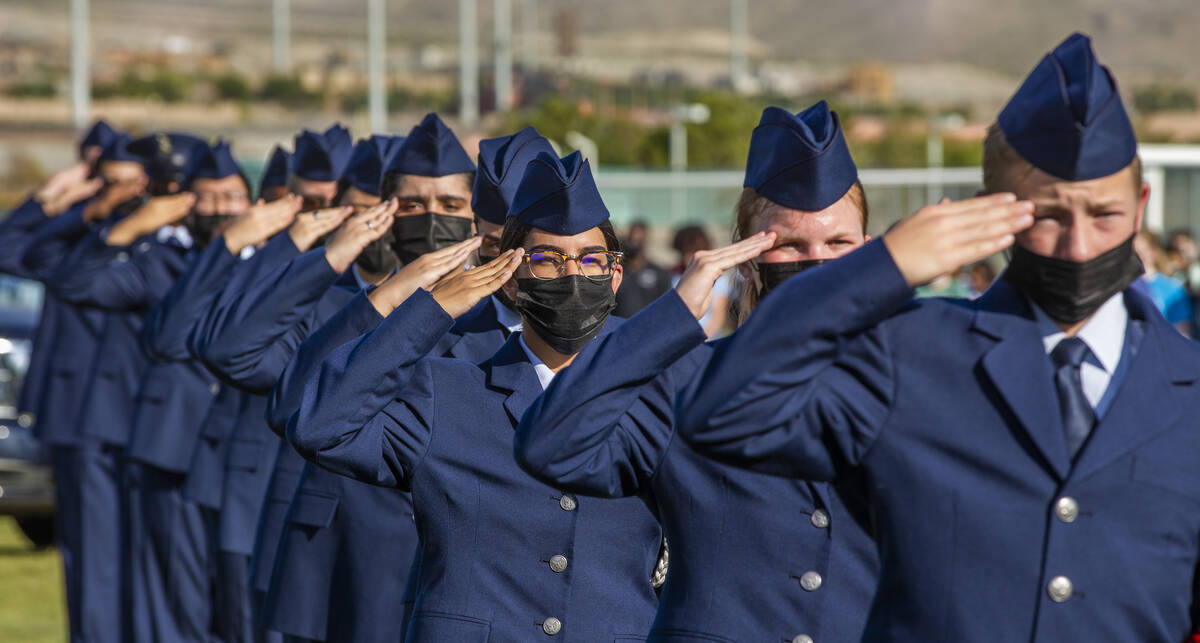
column 695, row 286
column 112, row 196
column 152, row 215
column 66, row 188
column 261, row 222
column 310, row 226
column 424, row 272
column 358, row 232
column 939, row 239
column 459, row 292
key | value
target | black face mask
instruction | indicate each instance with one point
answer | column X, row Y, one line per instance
column 378, row 257
column 203, row 227
column 773, row 274
column 566, row 312
column 1069, row 291
column 418, row 234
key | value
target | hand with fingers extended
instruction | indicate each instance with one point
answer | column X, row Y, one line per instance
column 939, row 239
column 695, row 286
column 109, row 198
column 261, row 222
column 424, row 272
column 357, row 233
column 460, row 291
column 310, row 226
column 152, row 215
column 67, row 188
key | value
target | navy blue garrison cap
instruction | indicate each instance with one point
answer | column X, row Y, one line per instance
column 321, row 157
column 1067, row 118
column 100, row 135
column 118, row 150
column 276, row 172
column 559, row 196
column 365, row 168
column 215, row 162
column 800, row 161
column 502, row 163
column 430, row 149
column 168, row 156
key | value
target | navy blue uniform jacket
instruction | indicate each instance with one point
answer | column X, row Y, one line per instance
column 503, row 556
column 741, row 542
column 949, row 410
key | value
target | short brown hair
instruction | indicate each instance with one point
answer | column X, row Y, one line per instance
column 1002, row 165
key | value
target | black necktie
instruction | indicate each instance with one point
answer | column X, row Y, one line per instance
column 1077, row 414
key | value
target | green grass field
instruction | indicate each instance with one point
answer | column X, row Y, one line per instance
column 31, row 597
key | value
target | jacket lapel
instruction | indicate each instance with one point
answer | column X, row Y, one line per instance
column 1021, row 373
column 473, row 331
column 509, row 370
column 1146, row 402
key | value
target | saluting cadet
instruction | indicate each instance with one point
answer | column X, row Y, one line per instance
column 359, row 589
column 330, row 581
column 503, row 557
column 254, row 330
column 1032, row 478
column 753, row 557
column 65, row 342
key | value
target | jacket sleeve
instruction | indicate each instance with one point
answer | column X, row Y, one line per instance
column 17, row 231
column 117, row 278
column 52, row 242
column 167, row 327
column 369, row 411
column 604, row 423
column 241, row 346
column 804, row 385
column 354, row 319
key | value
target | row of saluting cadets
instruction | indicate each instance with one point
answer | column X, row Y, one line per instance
column 301, row 418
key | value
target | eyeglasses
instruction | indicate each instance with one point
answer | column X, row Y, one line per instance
column 311, row 203
column 549, row 264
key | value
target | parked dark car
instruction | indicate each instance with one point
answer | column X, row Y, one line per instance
column 26, row 482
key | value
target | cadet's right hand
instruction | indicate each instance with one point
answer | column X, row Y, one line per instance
column 939, row 239
column 357, row 233
column 112, row 196
column 67, row 188
column 261, row 222
column 310, row 226
column 459, row 292
column 152, row 215
column 424, row 272
column 695, row 286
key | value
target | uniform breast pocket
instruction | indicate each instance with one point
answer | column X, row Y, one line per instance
column 673, row 635
column 1175, row 471
column 312, row 510
column 155, row 390
column 434, row 626
column 246, row 456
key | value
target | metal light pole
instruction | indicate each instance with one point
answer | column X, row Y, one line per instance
column 502, row 23
column 682, row 115
column 281, row 35
column 738, row 27
column 468, row 66
column 376, row 69
column 81, row 81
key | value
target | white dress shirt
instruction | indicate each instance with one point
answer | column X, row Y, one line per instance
column 544, row 374
column 507, row 317
column 1104, row 335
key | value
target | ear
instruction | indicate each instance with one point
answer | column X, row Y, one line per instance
column 510, row 289
column 1143, row 199
column 618, row 273
column 866, row 239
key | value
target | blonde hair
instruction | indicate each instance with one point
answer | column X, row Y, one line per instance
column 747, row 215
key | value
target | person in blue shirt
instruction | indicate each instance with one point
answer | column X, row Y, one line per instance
column 1169, row 295
column 1031, row 453
column 503, row 557
column 752, row 557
